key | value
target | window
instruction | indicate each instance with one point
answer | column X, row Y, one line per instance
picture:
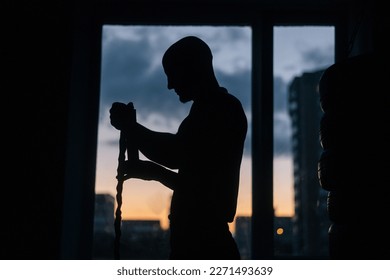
column 132, row 71
column 301, row 53
column 84, row 104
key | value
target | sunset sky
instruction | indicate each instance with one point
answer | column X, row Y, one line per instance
column 132, row 71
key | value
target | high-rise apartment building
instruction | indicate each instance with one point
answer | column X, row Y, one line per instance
column 310, row 224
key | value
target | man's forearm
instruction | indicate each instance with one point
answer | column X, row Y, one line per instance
column 159, row 147
column 166, row 177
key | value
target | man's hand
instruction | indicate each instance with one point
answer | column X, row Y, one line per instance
column 148, row 170
column 121, row 116
column 140, row 169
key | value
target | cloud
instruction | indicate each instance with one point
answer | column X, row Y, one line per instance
column 126, row 71
column 299, row 49
column 318, row 58
column 282, row 134
column 282, row 125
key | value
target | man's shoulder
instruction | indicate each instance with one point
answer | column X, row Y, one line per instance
column 229, row 99
column 233, row 110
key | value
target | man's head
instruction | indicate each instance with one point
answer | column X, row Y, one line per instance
column 189, row 68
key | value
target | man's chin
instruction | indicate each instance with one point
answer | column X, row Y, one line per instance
column 184, row 100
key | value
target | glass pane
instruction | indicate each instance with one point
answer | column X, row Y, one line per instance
column 132, row 71
column 300, row 55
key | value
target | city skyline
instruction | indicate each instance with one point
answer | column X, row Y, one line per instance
column 148, row 239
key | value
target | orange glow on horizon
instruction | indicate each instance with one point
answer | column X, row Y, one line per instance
column 150, row 200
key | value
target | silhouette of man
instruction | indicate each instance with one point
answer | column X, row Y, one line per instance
column 206, row 150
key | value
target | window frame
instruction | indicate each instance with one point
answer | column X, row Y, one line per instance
column 85, row 91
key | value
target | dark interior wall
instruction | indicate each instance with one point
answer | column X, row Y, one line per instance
column 360, row 26
column 37, row 53
column 368, row 25
column 36, row 56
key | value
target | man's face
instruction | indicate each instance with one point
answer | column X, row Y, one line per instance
column 181, row 81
